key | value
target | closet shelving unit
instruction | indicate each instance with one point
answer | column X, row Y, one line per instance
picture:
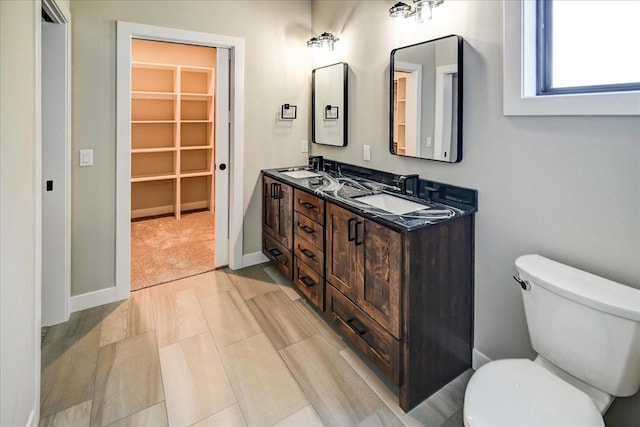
column 172, row 131
column 399, row 113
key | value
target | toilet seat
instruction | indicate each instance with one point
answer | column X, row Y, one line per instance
column 519, row 392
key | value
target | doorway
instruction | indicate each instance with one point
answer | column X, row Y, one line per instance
column 173, row 145
column 228, row 126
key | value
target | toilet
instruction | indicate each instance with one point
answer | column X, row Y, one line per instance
column 586, row 332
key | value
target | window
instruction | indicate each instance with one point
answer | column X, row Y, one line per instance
column 574, row 64
column 587, row 46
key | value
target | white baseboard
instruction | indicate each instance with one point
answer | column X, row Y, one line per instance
column 478, row 359
column 93, row 299
column 252, row 259
column 32, row 419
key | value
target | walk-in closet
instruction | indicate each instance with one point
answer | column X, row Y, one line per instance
column 172, row 158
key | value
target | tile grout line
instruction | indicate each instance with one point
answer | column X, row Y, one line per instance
column 155, row 332
column 215, row 343
column 95, row 371
column 279, row 352
column 338, row 353
column 287, row 365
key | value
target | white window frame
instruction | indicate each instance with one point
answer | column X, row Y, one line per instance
column 520, row 98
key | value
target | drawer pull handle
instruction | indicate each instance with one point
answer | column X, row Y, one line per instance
column 306, row 228
column 276, row 191
column 307, row 252
column 356, row 326
column 307, row 282
column 357, row 239
column 307, row 204
column 275, row 252
column 350, row 237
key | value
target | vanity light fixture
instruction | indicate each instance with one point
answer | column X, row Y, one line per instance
column 417, row 9
column 326, row 40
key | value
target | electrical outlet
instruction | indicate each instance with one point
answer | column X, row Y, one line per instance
column 304, row 146
column 428, row 142
column 86, row 158
column 366, row 153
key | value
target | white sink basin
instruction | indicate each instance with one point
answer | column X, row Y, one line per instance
column 300, row 174
column 392, row 204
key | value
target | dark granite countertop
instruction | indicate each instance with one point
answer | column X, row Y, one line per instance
column 339, row 186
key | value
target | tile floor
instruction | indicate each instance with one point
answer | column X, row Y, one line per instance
column 224, row 348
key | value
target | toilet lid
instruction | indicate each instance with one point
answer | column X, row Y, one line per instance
column 518, row 392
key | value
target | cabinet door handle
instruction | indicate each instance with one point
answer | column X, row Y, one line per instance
column 277, row 191
column 272, row 189
column 307, row 281
column 358, row 241
column 356, row 326
column 306, row 204
column 306, row 252
column 275, row 252
column 350, row 237
column 306, row 228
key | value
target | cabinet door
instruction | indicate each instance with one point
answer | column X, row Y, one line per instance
column 340, row 258
column 379, row 262
column 277, row 211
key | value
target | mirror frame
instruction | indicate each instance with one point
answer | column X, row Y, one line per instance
column 460, row 80
column 345, row 103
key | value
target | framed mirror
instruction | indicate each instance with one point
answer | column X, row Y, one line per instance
column 329, row 105
column 426, row 100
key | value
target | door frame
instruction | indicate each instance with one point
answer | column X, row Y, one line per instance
column 125, row 32
column 56, row 306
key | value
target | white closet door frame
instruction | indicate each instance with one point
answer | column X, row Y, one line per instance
column 443, row 120
column 234, row 125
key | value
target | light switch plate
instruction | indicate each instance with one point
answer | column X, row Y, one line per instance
column 366, row 153
column 304, row 146
column 86, row 158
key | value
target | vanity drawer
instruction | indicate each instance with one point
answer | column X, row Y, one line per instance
column 308, row 229
column 281, row 257
column 309, row 282
column 309, row 205
column 308, row 253
column 379, row 345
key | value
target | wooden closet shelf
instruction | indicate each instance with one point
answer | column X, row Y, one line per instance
column 152, row 66
column 172, row 131
column 191, row 96
column 152, row 150
column 154, row 177
column 152, row 121
column 196, row 147
column 140, row 94
column 193, row 174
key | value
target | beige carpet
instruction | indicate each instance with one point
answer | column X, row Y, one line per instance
column 165, row 249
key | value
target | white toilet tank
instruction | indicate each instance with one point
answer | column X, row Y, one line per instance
column 586, row 325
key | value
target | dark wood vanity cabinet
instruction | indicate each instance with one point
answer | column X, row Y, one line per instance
column 277, row 224
column 364, row 262
column 404, row 298
column 308, row 247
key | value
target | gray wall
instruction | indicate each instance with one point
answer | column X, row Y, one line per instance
column 564, row 187
column 19, row 286
column 277, row 71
